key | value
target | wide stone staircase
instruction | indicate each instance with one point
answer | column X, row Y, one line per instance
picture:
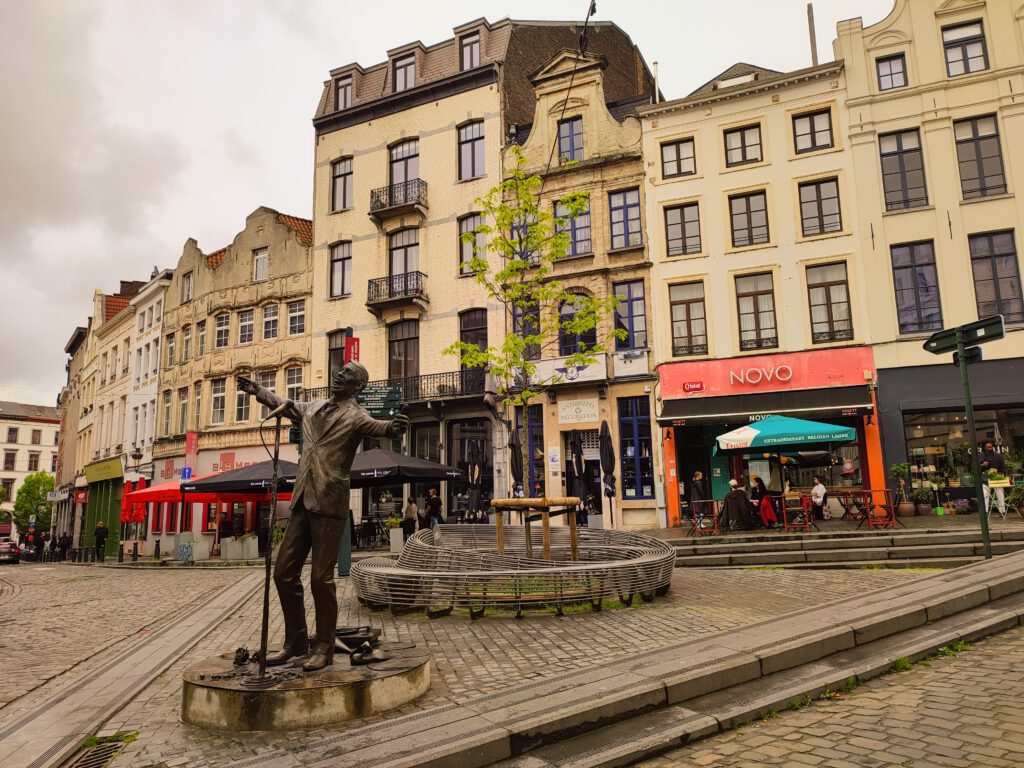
column 944, row 547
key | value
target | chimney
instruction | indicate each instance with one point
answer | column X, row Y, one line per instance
column 810, row 29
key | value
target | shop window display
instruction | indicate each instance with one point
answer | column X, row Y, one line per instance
column 938, row 444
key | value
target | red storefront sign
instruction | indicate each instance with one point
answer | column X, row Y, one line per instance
column 191, row 448
column 847, row 367
column 351, row 348
column 81, row 497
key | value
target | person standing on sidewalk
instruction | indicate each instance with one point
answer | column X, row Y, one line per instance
column 991, row 459
column 818, row 493
column 699, row 500
column 100, row 537
column 409, row 518
column 433, row 504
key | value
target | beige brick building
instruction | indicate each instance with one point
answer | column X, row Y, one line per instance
column 597, row 150
column 936, row 131
column 70, row 465
column 30, row 435
column 404, row 148
column 241, row 310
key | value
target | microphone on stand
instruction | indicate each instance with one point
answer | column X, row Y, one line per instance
column 279, row 411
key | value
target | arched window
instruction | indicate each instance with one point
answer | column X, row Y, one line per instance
column 473, row 327
column 569, row 343
column 405, row 162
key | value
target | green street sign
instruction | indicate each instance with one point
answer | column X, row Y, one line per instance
column 978, row 332
column 381, row 400
column 971, row 355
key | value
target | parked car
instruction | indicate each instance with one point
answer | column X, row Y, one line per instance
column 9, row 551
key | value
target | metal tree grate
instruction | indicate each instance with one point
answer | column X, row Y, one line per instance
column 98, row 756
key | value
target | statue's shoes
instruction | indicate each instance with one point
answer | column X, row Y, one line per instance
column 362, row 657
column 317, row 661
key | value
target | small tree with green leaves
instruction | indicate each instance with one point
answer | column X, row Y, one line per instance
column 31, row 500
column 514, row 251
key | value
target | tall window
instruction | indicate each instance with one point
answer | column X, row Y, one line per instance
column 635, row 453
column 749, row 214
column 631, row 315
column 53, row 463
column 186, row 343
column 219, row 393
column 533, row 449
column 743, row 145
column 33, row 462
column 186, row 287
column 158, row 307
column 270, row 322
column 293, row 383
column 570, row 140
column 341, row 271
column 979, row 156
column 223, row 327
column 138, row 364
column 689, row 319
column 902, row 170
column 471, row 150
column 570, row 341
column 525, row 323
column 755, row 300
column 830, row 303
column 260, row 264
column 335, row 353
column 156, row 355
column 201, row 338
column 245, row 326
column 182, row 410
column 167, row 412
column 170, row 349
column 997, row 276
column 682, row 229
column 578, row 227
column 296, row 317
column 404, row 251
column 813, row 131
column 473, row 327
column 197, row 405
column 624, row 208
column 405, row 162
column 9, row 459
column 965, row 49
column 819, row 207
column 469, row 51
column 341, row 184
column 917, row 287
column 470, row 246
column 242, row 405
column 12, row 434
column 268, row 380
column 892, row 72
column 678, row 159
column 404, row 349
column 405, row 73
column 343, row 93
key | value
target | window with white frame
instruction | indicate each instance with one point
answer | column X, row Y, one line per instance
column 293, row 381
column 245, row 326
column 186, row 287
column 218, row 391
column 260, row 263
column 222, row 331
column 270, row 322
column 267, row 380
column 296, row 317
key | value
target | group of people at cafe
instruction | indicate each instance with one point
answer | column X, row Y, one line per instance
column 753, row 507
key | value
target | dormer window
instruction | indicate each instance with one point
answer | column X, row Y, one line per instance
column 343, row 90
column 729, row 82
column 469, row 50
column 570, row 140
column 405, row 73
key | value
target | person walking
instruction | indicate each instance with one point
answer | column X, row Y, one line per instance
column 990, row 460
column 818, row 494
column 433, row 505
column 409, row 518
column 100, row 538
column 699, row 500
column 63, row 544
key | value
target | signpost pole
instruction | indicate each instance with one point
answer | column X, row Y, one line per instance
column 965, row 380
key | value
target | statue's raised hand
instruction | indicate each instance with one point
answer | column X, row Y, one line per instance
column 399, row 425
column 247, row 385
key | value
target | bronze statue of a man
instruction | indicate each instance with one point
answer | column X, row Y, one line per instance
column 332, row 430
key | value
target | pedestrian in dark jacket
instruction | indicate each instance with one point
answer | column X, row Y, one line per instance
column 100, row 537
column 63, row 545
column 433, row 505
column 735, row 508
column 699, row 500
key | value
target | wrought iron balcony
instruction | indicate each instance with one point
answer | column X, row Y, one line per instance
column 765, row 342
column 407, row 286
column 431, row 386
column 682, row 350
column 837, row 334
column 399, row 199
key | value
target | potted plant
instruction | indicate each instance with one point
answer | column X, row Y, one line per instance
column 396, row 536
column 924, row 499
column 961, row 462
column 901, row 472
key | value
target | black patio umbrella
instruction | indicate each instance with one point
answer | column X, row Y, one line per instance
column 255, row 478
column 579, row 485
column 380, row 467
column 515, row 447
column 607, row 452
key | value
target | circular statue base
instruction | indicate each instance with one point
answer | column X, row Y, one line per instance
column 217, row 694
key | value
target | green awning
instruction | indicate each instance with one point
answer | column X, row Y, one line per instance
column 780, row 431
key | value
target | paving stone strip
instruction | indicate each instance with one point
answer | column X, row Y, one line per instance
column 46, row 734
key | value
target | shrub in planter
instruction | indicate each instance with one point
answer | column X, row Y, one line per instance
column 924, row 499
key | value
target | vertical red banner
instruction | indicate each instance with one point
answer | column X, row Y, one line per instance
column 351, row 348
column 191, row 449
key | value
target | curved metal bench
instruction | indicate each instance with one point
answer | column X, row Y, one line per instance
column 456, row 566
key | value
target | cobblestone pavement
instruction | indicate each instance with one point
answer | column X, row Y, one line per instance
column 473, row 658
column 55, row 618
column 950, row 712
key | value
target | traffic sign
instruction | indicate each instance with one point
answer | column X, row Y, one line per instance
column 186, row 473
column 971, row 355
column 978, row 332
column 381, row 400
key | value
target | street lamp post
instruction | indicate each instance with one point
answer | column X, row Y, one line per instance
column 136, row 457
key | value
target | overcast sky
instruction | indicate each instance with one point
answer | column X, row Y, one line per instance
column 128, row 126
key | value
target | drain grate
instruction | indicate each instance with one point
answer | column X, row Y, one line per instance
column 98, row 756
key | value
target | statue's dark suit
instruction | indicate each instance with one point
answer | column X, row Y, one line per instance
column 331, row 432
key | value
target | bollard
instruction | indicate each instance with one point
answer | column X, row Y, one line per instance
column 120, row 552
column 156, row 549
column 92, row 555
column 135, row 551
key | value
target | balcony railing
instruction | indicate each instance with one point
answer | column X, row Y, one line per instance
column 682, row 350
column 765, row 342
column 402, row 286
column 838, row 334
column 431, row 386
column 406, row 193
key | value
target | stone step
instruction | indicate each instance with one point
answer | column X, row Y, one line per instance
column 847, row 538
column 627, row 741
column 924, row 553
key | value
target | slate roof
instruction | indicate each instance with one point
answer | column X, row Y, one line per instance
column 736, row 70
column 24, row 411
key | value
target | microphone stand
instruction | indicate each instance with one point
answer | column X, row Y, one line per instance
column 265, row 631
